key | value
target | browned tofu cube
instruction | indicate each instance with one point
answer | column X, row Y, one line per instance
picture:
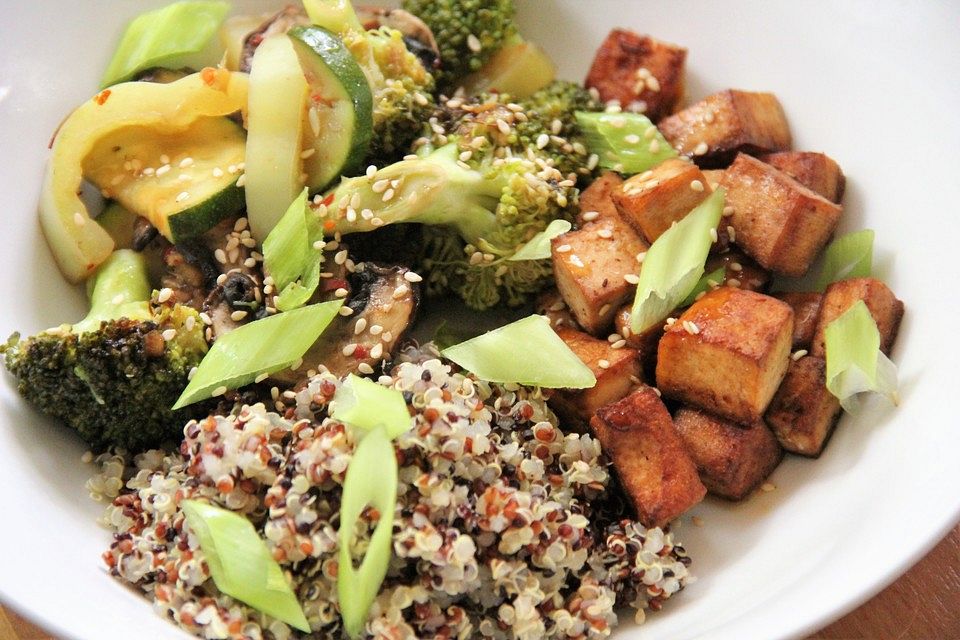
column 645, row 342
column 732, row 459
column 589, row 265
column 727, row 353
column 551, row 304
column 740, row 270
column 653, row 466
column 816, row 171
column 641, row 73
column 595, row 201
column 653, row 200
column 806, row 310
column 886, row 310
column 617, row 372
column 776, row 220
column 803, row 413
column 715, row 129
column 713, row 177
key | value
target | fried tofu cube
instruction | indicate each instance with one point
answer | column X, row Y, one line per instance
column 806, row 311
column 816, row 171
column 589, row 265
column 776, row 220
column 617, row 372
column 803, row 412
column 551, row 304
column 639, row 72
column 596, row 202
column 732, row 459
column 718, row 127
column 654, row 468
column 713, row 177
column 653, row 200
column 645, row 342
column 727, row 353
column 886, row 310
column 740, row 271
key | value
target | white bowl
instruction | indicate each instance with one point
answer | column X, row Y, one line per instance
column 871, row 84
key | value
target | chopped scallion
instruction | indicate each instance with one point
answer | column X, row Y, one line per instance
column 241, row 564
column 674, row 263
column 263, row 346
column 538, row 247
column 371, row 480
column 625, row 142
column 367, row 405
column 855, row 364
column 849, row 256
column 528, row 352
column 164, row 37
column 706, row 283
column 289, row 257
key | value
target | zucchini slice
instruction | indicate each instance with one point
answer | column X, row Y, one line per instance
column 339, row 109
column 187, row 179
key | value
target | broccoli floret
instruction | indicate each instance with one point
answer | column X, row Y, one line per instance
column 114, row 375
column 480, row 176
column 468, row 32
column 402, row 87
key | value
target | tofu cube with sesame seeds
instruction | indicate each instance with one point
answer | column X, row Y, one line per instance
column 653, row 466
column 886, row 309
column 645, row 342
column 740, row 271
column 816, row 171
column 806, row 311
column 803, row 412
column 551, row 304
column 596, row 202
column 718, row 127
column 732, row 459
column 713, row 177
column 616, row 369
column 639, row 72
column 776, row 220
column 653, row 200
column 727, row 353
column 589, row 266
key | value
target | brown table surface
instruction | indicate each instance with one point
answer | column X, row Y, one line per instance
column 922, row 605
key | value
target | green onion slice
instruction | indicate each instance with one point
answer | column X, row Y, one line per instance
column 706, row 283
column 258, row 348
column 855, row 364
column 164, row 37
column 625, row 142
column 367, row 405
column 849, row 256
column 289, row 257
column 371, row 480
column 241, row 564
column 538, row 247
column 674, row 263
column 527, row 352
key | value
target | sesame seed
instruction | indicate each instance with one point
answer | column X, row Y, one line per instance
column 183, row 195
column 363, row 367
column 191, row 373
column 606, row 234
column 79, row 219
column 708, row 117
column 238, row 315
column 696, row 185
column 653, row 84
column 219, row 391
column 164, row 294
column 733, row 282
column 671, row 322
column 349, row 349
column 314, row 117
column 619, row 344
column 169, row 334
column 189, row 323
column 542, row 140
column 618, row 123
column 306, row 153
column 590, row 216
column 654, row 146
column 576, row 261
column 713, row 234
column 563, row 248
column 388, row 194
column 632, row 139
column 465, row 155
column 641, row 256
column 697, row 521
column 341, row 292
column 767, row 487
column 399, row 292
column 556, row 127
column 346, row 311
column 375, row 329
column 631, row 278
column 732, row 233
column 377, row 222
column 798, row 354
column 603, row 364
column 360, row 326
column 657, row 391
column 701, row 149
column 377, row 351
column 691, row 327
column 604, row 310
column 205, row 318
column 351, row 214
column 473, row 42
column 242, row 180
column 503, row 126
column 386, row 337
column 380, row 186
column 592, row 161
column 728, row 211
column 340, row 257
column 410, row 276
column 736, row 266
column 162, row 170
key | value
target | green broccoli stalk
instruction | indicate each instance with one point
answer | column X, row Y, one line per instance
column 114, row 375
column 468, row 32
column 483, row 186
column 402, row 88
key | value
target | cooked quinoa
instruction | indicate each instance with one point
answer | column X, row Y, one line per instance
column 505, row 527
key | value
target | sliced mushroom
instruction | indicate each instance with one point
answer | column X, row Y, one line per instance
column 232, row 303
column 280, row 22
column 383, row 308
column 187, row 274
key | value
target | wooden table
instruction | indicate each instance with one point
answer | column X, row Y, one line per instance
column 922, row 605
